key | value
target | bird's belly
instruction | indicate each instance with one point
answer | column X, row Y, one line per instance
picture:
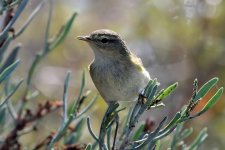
column 119, row 86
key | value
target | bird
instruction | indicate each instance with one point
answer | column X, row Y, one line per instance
column 117, row 73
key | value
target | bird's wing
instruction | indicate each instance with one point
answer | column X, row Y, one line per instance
column 137, row 62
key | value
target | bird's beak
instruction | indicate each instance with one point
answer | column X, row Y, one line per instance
column 84, row 38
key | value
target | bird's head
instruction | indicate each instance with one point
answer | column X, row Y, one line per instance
column 106, row 42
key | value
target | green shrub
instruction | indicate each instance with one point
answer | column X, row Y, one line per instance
column 143, row 137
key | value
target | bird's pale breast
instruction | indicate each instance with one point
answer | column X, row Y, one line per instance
column 118, row 81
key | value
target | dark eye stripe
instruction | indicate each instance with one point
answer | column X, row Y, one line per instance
column 104, row 40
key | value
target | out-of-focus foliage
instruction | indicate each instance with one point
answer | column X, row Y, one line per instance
column 22, row 120
column 176, row 40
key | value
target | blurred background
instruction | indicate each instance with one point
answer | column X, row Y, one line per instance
column 177, row 40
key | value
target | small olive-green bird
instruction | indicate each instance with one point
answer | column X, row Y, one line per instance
column 117, row 73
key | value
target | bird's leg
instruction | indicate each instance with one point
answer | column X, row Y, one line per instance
column 142, row 98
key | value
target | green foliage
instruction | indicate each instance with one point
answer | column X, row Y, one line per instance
column 89, row 147
column 50, row 44
column 7, row 71
column 147, row 139
column 180, row 135
column 73, row 116
column 9, row 66
column 164, row 93
column 75, row 136
column 19, row 10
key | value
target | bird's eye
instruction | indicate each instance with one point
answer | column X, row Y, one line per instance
column 104, row 40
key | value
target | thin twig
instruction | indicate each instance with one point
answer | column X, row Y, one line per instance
column 12, row 138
